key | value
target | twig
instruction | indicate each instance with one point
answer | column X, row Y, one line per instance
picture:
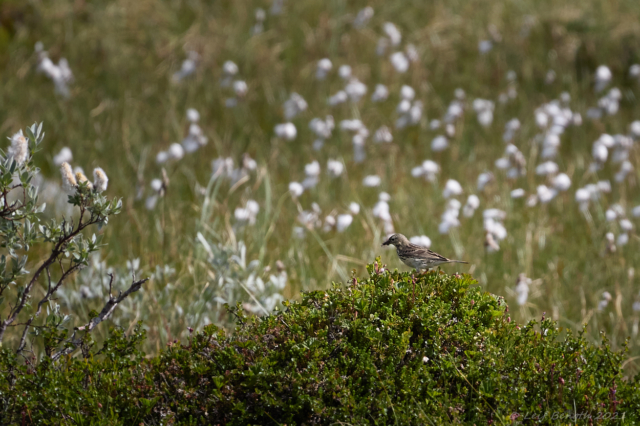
column 44, row 300
column 110, row 284
column 57, row 250
column 111, row 304
column 108, row 308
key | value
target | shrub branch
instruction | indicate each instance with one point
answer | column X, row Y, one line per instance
column 74, row 342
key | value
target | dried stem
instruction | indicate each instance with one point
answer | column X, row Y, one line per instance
column 106, row 311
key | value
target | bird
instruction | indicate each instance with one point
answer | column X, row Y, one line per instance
column 416, row 256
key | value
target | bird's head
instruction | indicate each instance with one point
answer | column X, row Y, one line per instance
column 397, row 240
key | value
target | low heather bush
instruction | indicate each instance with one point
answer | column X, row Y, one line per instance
column 395, row 348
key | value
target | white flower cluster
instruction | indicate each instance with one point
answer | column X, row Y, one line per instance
column 248, row 213
column 513, row 161
column 286, row 131
column 312, row 175
column 621, row 146
column 383, row 135
column 409, row 110
column 381, row 211
column 604, row 301
column 510, row 130
column 522, row 289
column 354, row 89
column 381, row 93
column 225, row 168
column 421, row 240
column 494, row 229
column 617, row 213
column 359, row 138
column 339, row 222
column 602, row 78
column 484, row 110
column 294, row 106
column 428, row 169
column 191, row 143
column 19, row 149
column 71, row 178
column 188, row 67
column 449, row 218
column 392, row 39
column 229, row 79
column 64, row 156
column 484, row 179
column 323, row 67
column 322, row 130
column 310, row 219
column 335, row 167
column 363, row 17
column 59, row 73
column 591, row 192
column 472, row 204
column 268, row 293
column 260, row 15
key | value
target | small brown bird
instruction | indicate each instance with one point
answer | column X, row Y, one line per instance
column 415, row 256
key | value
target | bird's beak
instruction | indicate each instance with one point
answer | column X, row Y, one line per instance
column 386, row 243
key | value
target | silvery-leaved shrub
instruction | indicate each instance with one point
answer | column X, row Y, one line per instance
column 38, row 257
column 238, row 280
column 234, row 274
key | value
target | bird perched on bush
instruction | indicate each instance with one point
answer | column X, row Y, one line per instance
column 415, row 256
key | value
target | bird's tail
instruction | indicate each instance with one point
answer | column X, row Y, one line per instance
column 457, row 261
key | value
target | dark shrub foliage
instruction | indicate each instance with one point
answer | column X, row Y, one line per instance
column 397, row 348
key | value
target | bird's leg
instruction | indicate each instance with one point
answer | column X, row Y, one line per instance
column 413, row 281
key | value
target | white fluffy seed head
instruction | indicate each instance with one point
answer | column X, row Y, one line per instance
column 156, row 185
column 634, row 128
column 452, row 187
column 380, row 94
column 517, row 193
column 344, row 221
column 562, row 182
column 65, row 155
column 69, row 182
column 439, row 143
column 253, row 207
column 312, row 169
column 603, row 74
column 80, row 177
column 100, row 180
column 323, row 67
column 193, row 115
column 344, row 72
column 421, row 240
column 407, row 92
column 473, row 201
column 296, row 189
column 334, row 167
column 176, row 151
column 484, row 178
column 240, row 88
column 286, row 131
column 230, row 68
column 372, row 181
column 19, row 149
column 399, row 62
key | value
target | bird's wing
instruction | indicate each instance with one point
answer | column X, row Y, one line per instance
column 418, row 251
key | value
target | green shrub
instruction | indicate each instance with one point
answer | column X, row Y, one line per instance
column 396, row 348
